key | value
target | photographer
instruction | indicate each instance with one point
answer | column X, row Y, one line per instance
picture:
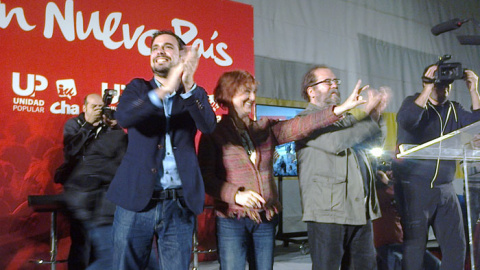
column 94, row 144
column 424, row 191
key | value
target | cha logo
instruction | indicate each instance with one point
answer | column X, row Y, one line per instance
column 61, row 107
column 65, row 89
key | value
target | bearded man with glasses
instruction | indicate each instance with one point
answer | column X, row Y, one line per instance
column 336, row 178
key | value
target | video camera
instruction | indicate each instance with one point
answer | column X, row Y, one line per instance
column 107, row 100
column 448, row 72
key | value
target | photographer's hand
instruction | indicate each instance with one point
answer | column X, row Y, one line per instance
column 109, row 122
column 427, row 87
column 471, row 79
column 94, row 117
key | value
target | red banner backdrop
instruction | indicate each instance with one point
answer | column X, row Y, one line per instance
column 56, row 52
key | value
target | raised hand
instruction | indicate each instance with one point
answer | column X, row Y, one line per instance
column 424, row 96
column 429, row 74
column 377, row 102
column 95, row 116
column 172, row 81
column 190, row 60
column 352, row 101
column 471, row 79
column 373, row 100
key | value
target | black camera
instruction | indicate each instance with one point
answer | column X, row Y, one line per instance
column 384, row 165
column 448, row 72
column 107, row 100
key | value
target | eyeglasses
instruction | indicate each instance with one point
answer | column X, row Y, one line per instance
column 328, row 82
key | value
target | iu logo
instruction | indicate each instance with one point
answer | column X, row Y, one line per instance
column 66, row 88
column 35, row 83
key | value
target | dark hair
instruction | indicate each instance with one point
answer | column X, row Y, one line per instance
column 309, row 79
column 181, row 44
column 231, row 83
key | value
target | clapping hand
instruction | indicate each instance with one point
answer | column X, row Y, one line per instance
column 352, row 101
column 190, row 61
column 377, row 102
column 172, row 81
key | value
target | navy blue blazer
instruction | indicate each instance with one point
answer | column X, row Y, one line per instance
column 134, row 181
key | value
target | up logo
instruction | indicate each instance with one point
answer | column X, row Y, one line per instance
column 35, row 83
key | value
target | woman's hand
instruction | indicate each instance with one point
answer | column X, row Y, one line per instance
column 249, row 198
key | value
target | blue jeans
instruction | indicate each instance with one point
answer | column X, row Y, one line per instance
column 242, row 239
column 133, row 232
column 101, row 238
column 336, row 246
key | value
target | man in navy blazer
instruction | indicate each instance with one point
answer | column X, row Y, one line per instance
column 158, row 188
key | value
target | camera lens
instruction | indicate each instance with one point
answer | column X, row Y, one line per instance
column 447, row 72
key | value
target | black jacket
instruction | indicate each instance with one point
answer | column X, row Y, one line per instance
column 98, row 152
column 418, row 125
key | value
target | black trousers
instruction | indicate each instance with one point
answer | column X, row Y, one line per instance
column 79, row 255
column 422, row 207
column 335, row 246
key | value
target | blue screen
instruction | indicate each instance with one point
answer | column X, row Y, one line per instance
column 285, row 158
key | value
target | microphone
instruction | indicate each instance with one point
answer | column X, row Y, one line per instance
column 469, row 40
column 447, row 26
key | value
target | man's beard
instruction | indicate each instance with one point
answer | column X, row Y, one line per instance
column 333, row 99
column 441, row 95
column 162, row 72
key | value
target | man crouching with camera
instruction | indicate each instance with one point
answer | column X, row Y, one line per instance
column 94, row 146
column 425, row 193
